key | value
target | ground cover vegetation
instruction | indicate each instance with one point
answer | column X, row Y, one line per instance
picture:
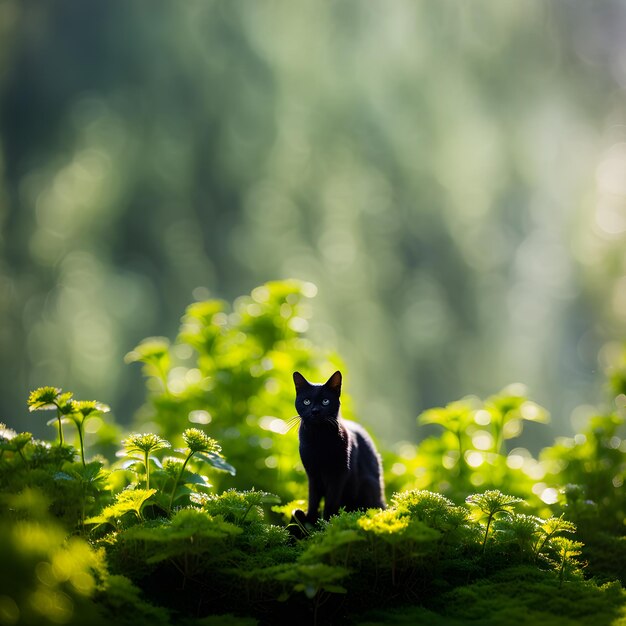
column 187, row 518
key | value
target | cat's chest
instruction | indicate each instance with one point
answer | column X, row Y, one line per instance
column 325, row 450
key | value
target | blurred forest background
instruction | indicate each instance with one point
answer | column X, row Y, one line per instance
column 451, row 176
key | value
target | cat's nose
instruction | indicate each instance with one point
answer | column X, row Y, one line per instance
column 315, row 410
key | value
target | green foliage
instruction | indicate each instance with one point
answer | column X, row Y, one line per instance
column 73, row 490
column 591, row 468
column 489, row 504
column 120, row 601
column 185, row 540
column 237, row 506
column 150, row 530
column 471, row 451
column 534, row 536
column 218, row 544
column 46, row 576
column 234, row 381
column 210, row 551
column 91, row 481
column 14, row 442
column 153, row 352
column 433, row 508
column 616, row 376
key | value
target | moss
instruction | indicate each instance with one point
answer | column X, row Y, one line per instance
column 526, row 595
column 605, row 555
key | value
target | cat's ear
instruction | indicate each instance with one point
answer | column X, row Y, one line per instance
column 300, row 381
column 334, row 383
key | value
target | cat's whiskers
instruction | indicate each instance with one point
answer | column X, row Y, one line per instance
column 291, row 422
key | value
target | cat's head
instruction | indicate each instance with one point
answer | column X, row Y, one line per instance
column 317, row 402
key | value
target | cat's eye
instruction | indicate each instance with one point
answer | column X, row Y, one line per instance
column 306, row 402
column 325, row 401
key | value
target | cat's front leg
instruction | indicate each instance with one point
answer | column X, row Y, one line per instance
column 333, row 499
column 315, row 497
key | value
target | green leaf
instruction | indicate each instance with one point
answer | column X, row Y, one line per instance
column 217, row 461
column 150, row 350
column 127, row 501
column 90, row 473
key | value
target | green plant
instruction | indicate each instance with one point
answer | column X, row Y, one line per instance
column 236, row 506
column 139, row 447
column 507, row 411
column 549, row 529
column 50, row 399
column 591, row 470
column 91, row 480
column 15, row 443
column 567, row 550
column 456, row 418
column 407, row 538
column 489, row 504
column 79, row 412
column 470, row 451
column 204, row 447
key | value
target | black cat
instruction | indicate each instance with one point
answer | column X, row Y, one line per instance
column 340, row 459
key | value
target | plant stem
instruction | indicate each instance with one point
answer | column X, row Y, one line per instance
column 61, row 442
column 146, row 462
column 461, row 452
column 539, row 546
column 180, row 473
column 82, row 444
column 486, row 533
column 246, row 513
